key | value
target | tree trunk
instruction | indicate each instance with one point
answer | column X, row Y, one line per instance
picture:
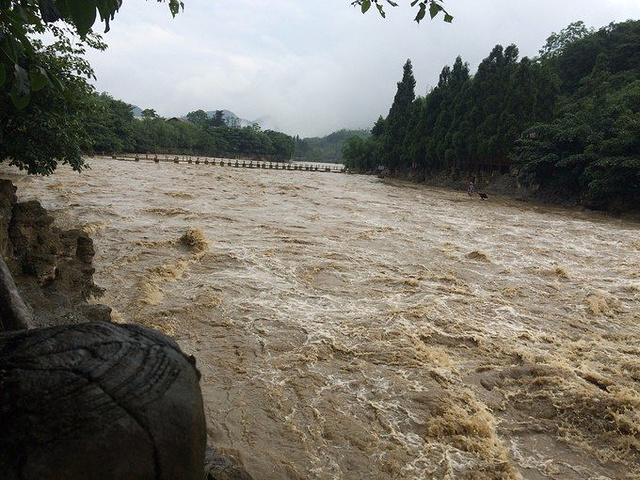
column 14, row 313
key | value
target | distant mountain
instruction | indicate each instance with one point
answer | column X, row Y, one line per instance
column 265, row 122
column 325, row 149
column 233, row 120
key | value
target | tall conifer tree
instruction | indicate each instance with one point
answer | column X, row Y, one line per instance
column 398, row 121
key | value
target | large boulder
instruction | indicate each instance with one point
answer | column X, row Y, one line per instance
column 98, row 401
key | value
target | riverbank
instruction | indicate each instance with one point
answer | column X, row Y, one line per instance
column 507, row 185
column 52, row 267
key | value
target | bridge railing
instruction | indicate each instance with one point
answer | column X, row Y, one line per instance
column 227, row 162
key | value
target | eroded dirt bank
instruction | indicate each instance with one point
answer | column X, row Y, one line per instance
column 52, row 266
column 347, row 328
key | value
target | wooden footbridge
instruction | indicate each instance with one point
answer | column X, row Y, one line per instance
column 235, row 163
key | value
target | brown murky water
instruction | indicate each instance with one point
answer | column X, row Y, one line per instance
column 348, row 328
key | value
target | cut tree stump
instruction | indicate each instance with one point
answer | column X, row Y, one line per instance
column 98, row 401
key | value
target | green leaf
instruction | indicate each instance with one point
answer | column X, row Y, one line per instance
column 434, row 9
column 366, row 4
column 381, row 10
column 107, row 10
column 48, row 11
column 175, row 6
column 20, row 101
column 22, row 12
column 421, row 13
column 448, row 18
column 38, row 79
column 57, row 84
column 10, row 51
column 82, row 13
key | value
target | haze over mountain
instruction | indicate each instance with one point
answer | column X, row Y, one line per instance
column 265, row 122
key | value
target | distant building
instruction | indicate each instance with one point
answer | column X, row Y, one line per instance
column 178, row 120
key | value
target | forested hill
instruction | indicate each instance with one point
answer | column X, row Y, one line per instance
column 566, row 122
column 111, row 128
column 325, row 149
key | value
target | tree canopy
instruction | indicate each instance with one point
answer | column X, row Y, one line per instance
column 110, row 128
column 44, row 93
column 49, row 129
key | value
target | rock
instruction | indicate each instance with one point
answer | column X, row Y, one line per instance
column 219, row 467
column 84, row 245
column 94, row 313
column 42, row 266
column 98, row 401
column 31, row 227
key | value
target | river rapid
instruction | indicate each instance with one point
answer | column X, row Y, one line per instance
column 351, row 328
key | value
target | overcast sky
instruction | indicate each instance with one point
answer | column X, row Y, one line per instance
column 312, row 66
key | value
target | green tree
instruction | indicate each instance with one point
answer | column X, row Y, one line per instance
column 20, row 71
column 282, row 145
column 50, row 128
column 109, row 125
column 569, row 121
column 442, row 134
column 590, row 149
column 557, row 42
column 218, row 119
column 44, row 92
column 360, row 154
column 149, row 113
column 198, row 117
column 397, row 123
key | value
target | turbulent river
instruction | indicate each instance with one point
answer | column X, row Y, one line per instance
column 351, row 328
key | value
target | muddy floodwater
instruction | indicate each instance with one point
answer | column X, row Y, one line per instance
column 351, row 328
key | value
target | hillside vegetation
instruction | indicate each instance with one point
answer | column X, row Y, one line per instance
column 112, row 128
column 325, row 149
column 566, row 123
